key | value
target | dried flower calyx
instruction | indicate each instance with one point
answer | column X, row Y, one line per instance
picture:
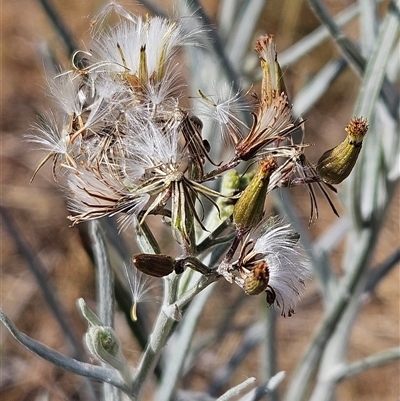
column 274, row 120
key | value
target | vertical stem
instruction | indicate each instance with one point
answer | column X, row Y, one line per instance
column 270, row 349
column 305, row 370
column 166, row 390
column 158, row 337
column 104, row 289
column 104, row 279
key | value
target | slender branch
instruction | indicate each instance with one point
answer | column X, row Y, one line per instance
column 218, row 47
column 252, row 336
column 372, row 361
column 261, row 391
column 351, row 53
column 235, row 391
column 178, row 354
column 105, row 293
column 381, row 271
column 105, row 289
column 214, row 237
column 98, row 373
column 159, row 335
column 60, row 27
column 204, row 282
column 145, row 238
column 38, row 270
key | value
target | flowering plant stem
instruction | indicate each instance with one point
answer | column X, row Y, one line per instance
column 182, row 344
column 105, row 291
column 98, row 373
column 104, row 285
column 161, row 332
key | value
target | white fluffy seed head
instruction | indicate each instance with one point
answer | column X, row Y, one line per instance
column 226, row 108
column 278, row 245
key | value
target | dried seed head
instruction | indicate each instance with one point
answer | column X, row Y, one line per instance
column 270, row 260
column 336, row 164
column 249, row 209
column 274, row 121
column 255, row 280
column 159, row 265
column 272, row 82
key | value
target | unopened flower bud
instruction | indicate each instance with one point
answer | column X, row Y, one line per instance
column 255, row 280
column 232, row 184
column 336, row 164
column 102, row 342
column 249, row 209
column 156, row 265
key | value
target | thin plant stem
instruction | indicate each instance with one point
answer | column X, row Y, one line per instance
column 60, row 27
column 105, row 290
column 159, row 335
column 98, row 373
column 235, row 391
column 350, row 52
column 382, row 358
column 214, row 237
column 38, row 270
column 195, row 7
column 182, row 343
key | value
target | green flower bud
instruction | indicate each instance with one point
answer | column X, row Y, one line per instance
column 156, row 265
column 103, row 343
column 249, row 209
column 232, row 184
column 336, row 164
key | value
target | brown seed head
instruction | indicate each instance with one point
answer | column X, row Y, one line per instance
column 256, row 280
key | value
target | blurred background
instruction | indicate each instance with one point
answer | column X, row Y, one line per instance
column 38, row 214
